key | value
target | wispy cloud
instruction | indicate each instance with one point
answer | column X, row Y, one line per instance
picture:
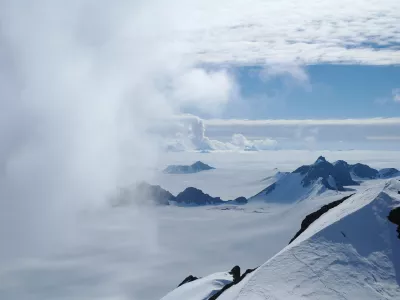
column 396, row 95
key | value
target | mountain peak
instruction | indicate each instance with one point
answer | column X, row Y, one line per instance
column 320, row 159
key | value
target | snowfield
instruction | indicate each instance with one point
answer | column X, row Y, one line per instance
column 144, row 252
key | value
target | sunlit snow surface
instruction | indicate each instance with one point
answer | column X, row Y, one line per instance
column 144, row 253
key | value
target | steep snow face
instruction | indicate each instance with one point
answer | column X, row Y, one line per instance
column 351, row 252
column 202, row 288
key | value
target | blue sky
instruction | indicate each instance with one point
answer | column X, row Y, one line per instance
column 330, row 91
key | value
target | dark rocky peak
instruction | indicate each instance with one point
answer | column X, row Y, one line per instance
column 195, row 196
column 320, row 159
column 342, row 174
column 334, row 176
column 388, row 172
column 198, row 166
column 364, row 171
column 342, row 164
column 240, row 200
column 142, row 193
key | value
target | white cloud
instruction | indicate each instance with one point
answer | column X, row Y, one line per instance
column 209, row 91
column 81, row 84
column 308, row 122
column 284, row 68
column 191, row 135
column 396, row 95
column 249, row 32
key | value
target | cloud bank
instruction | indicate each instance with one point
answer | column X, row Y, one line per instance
column 251, row 32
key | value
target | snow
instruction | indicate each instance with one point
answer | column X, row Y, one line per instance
column 143, row 253
column 202, row 288
column 289, row 189
column 351, row 252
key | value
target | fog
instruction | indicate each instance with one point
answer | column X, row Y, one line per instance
column 81, row 82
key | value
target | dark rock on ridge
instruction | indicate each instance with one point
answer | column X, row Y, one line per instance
column 190, row 278
column 235, row 281
column 394, row 217
column 311, row 218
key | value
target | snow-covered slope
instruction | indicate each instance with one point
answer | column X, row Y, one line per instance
column 351, row 252
column 288, row 189
column 305, row 182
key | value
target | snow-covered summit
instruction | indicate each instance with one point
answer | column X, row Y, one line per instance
column 307, row 181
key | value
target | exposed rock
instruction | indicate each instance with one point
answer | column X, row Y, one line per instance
column 190, row 278
column 142, row 193
column 239, row 279
column 235, row 273
column 342, row 173
column 388, row 172
column 394, row 217
column 195, row 196
column 198, row 166
column 239, row 200
column 333, row 177
column 364, row 171
column 311, row 218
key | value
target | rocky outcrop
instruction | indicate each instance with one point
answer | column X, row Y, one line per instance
column 311, row 218
column 142, row 193
column 236, row 279
column 364, row 171
column 198, row 166
column 190, row 278
column 394, row 217
column 239, row 200
column 342, row 173
column 388, row 172
column 194, row 196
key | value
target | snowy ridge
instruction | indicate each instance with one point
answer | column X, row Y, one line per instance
column 351, row 252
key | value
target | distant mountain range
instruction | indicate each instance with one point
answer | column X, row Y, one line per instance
column 155, row 194
column 313, row 180
column 307, row 181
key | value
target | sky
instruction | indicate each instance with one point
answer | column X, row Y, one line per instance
column 326, row 91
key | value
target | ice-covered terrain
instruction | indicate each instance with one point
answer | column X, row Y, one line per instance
column 144, row 252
